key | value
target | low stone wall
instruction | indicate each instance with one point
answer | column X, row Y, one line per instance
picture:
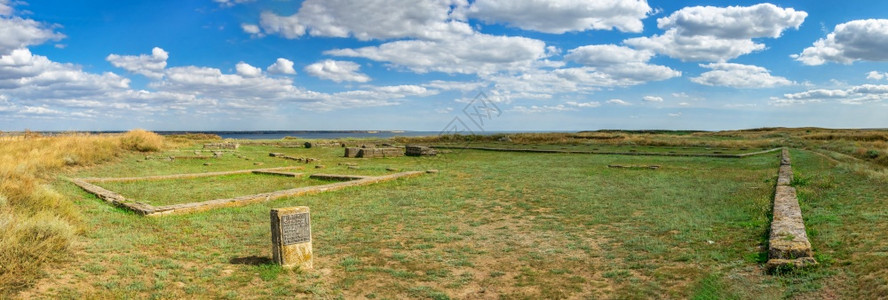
column 183, row 176
column 278, row 173
column 352, row 151
column 380, row 152
column 414, row 150
column 321, row 144
column 373, row 152
column 788, row 245
column 150, row 210
column 337, row 177
column 221, row 146
column 299, row 159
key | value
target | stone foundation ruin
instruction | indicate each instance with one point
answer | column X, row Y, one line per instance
column 414, row 150
column 373, row 152
column 217, row 146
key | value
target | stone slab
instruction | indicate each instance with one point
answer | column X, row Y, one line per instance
column 784, row 177
column 278, row 173
column 291, row 237
column 337, row 177
column 784, row 158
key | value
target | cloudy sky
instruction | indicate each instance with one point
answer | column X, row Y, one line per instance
column 420, row 64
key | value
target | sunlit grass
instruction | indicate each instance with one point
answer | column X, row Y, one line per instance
column 489, row 225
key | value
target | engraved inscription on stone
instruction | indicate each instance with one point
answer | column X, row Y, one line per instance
column 295, row 229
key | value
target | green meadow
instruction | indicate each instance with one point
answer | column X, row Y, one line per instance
column 488, row 225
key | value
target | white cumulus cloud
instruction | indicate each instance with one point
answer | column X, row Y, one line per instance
column 708, row 33
column 252, row 29
column 17, row 33
column 852, row 95
column 618, row 102
column 652, row 99
column 475, row 53
column 337, row 70
column 148, row 65
column 230, row 3
column 560, row 16
column 368, row 19
column 875, row 75
column 858, row 40
column 26, row 75
column 739, row 76
column 621, row 63
column 5, row 8
column 541, row 108
column 583, row 104
column 246, row 70
column 281, row 66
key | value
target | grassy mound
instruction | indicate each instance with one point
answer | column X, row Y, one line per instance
column 142, row 141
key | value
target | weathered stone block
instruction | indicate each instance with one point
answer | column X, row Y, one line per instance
column 352, row 151
column 784, row 177
column 414, row 150
column 784, row 159
column 380, row 152
column 291, row 237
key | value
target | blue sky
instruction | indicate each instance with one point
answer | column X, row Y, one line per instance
column 420, row 65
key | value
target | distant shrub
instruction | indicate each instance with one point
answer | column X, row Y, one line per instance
column 141, row 140
column 872, row 154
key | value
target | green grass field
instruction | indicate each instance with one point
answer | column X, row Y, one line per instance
column 489, row 225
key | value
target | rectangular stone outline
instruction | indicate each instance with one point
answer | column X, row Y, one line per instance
column 788, row 244
column 146, row 209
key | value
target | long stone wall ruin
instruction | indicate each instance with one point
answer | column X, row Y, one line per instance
column 788, row 245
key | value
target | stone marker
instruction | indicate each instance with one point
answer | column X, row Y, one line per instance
column 291, row 237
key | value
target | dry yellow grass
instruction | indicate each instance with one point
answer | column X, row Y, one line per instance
column 141, row 140
column 38, row 224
